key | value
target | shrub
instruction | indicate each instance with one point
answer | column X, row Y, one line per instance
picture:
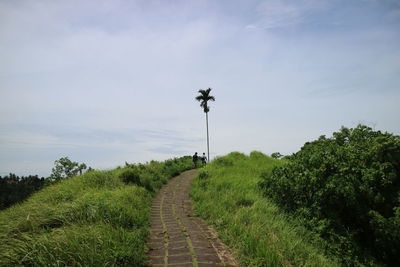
column 154, row 174
column 276, row 155
column 131, row 175
column 348, row 189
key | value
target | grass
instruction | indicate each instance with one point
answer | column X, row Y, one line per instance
column 226, row 194
column 95, row 219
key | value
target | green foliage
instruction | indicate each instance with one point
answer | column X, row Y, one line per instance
column 203, row 97
column 276, row 155
column 131, row 175
column 203, row 174
column 348, row 190
column 65, row 168
column 154, row 174
column 14, row 189
column 100, row 218
column 224, row 162
column 92, row 245
column 227, row 196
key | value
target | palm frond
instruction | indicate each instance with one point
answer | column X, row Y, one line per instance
column 204, row 97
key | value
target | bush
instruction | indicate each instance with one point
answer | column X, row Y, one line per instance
column 348, row 189
column 131, row 175
column 276, row 155
column 154, row 174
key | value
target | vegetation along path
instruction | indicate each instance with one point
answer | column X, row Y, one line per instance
column 177, row 237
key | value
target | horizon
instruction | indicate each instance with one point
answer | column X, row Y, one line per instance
column 106, row 82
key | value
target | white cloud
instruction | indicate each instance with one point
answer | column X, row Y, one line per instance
column 281, row 13
column 113, row 81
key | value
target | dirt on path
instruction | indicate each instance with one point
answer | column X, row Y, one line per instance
column 177, row 237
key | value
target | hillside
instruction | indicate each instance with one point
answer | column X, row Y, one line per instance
column 336, row 201
column 96, row 219
column 333, row 203
column 227, row 195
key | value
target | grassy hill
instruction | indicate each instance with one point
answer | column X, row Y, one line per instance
column 336, row 201
column 100, row 218
column 227, row 195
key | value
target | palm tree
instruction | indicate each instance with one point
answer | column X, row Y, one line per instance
column 204, row 97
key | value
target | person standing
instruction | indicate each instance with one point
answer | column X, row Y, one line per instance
column 204, row 159
column 195, row 159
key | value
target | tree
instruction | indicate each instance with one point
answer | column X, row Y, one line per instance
column 15, row 189
column 276, row 155
column 65, row 168
column 347, row 189
column 203, row 98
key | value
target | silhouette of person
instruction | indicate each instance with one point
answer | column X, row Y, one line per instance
column 204, row 159
column 195, row 159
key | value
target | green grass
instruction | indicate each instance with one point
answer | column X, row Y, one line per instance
column 90, row 220
column 227, row 195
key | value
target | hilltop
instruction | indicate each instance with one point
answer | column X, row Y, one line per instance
column 95, row 219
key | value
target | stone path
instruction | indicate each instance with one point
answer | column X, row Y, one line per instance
column 177, row 237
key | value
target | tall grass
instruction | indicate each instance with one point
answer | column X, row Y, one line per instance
column 96, row 219
column 226, row 194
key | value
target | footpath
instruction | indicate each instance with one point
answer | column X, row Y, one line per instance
column 177, row 237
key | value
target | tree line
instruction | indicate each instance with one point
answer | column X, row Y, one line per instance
column 14, row 189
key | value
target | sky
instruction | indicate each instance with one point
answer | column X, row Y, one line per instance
column 112, row 81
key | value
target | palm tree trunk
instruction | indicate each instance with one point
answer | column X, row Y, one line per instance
column 208, row 141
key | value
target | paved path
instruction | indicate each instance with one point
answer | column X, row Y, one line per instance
column 177, row 237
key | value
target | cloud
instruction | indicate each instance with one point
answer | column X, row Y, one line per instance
column 94, row 146
column 283, row 13
column 111, row 81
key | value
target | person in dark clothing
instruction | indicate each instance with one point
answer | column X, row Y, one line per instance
column 204, row 159
column 195, row 159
